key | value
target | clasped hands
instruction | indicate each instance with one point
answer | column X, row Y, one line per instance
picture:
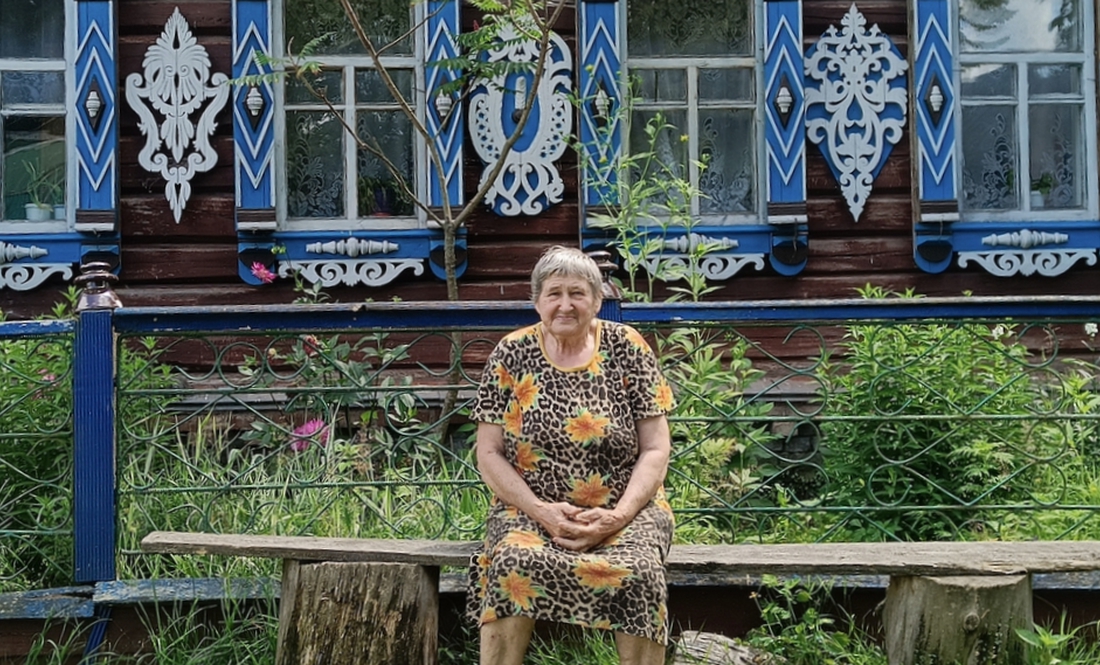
column 580, row 529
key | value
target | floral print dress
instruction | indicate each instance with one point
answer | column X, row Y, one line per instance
column 570, row 433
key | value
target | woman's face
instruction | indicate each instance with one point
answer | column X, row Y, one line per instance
column 566, row 306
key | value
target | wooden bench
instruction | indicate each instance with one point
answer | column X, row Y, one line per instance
column 347, row 600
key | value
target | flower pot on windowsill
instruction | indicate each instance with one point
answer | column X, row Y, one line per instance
column 37, row 212
column 1037, row 199
column 59, row 212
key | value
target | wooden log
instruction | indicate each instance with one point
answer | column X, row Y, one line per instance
column 358, row 613
column 699, row 648
column 971, row 620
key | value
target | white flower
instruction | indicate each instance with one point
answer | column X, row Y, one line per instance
column 1091, row 329
column 998, row 332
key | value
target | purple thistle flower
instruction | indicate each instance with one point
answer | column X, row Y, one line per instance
column 307, row 433
column 260, row 272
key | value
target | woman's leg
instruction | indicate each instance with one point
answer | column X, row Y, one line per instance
column 635, row 650
column 504, row 641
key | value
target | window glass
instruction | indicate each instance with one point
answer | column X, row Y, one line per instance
column 315, row 165
column 333, row 177
column 384, row 21
column 33, row 166
column 692, row 62
column 18, row 88
column 691, row 28
column 32, row 29
column 1026, row 88
column 1020, row 26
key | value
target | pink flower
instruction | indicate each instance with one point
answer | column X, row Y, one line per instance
column 260, row 272
column 311, row 344
column 307, row 433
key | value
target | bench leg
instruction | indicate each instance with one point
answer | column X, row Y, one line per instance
column 363, row 613
column 957, row 619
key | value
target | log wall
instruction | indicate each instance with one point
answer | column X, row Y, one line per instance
column 194, row 262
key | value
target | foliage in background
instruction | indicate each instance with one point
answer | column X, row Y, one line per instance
column 919, row 420
column 802, row 623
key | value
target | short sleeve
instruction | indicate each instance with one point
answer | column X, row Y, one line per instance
column 646, row 387
column 494, row 389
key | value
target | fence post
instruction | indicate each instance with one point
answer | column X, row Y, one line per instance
column 94, row 426
column 611, row 309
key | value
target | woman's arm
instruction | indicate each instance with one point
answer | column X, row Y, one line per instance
column 506, row 483
column 654, row 449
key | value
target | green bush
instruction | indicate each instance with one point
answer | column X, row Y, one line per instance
column 928, row 418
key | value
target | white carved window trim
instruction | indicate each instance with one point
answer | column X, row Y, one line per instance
column 415, row 62
column 1020, row 60
column 691, row 65
column 44, row 65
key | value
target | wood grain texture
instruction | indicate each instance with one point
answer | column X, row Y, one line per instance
column 358, row 614
column 928, row 558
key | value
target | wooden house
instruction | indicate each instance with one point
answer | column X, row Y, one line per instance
column 947, row 146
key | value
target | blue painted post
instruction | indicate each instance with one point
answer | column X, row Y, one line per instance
column 612, row 307
column 94, row 427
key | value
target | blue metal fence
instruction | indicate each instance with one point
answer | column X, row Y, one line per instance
column 793, row 432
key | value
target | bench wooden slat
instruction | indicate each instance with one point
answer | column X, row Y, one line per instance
column 929, row 558
column 308, row 548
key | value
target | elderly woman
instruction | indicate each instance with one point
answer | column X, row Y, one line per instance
column 573, row 441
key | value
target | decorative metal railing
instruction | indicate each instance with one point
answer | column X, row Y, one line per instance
column 36, row 464
column 796, row 421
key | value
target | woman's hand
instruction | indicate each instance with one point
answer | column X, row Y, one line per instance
column 557, row 518
column 589, row 528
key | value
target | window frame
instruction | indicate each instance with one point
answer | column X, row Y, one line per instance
column 1021, row 60
column 692, row 107
column 66, row 65
column 349, row 64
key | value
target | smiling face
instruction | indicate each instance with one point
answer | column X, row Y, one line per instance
column 567, row 307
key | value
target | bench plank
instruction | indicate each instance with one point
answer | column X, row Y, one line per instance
column 928, row 558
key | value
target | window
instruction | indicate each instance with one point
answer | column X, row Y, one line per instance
column 331, row 182
column 693, row 63
column 32, row 114
column 1028, row 109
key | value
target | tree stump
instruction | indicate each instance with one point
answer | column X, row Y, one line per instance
column 361, row 613
column 966, row 620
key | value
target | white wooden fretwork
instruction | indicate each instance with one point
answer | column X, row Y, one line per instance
column 368, row 272
column 528, row 182
column 27, row 276
column 715, row 266
column 1048, row 263
column 856, row 103
column 352, row 247
column 176, row 85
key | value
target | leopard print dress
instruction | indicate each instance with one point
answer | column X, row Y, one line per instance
column 570, row 433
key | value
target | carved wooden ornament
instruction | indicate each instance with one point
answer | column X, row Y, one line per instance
column 177, row 85
column 856, row 103
column 529, row 182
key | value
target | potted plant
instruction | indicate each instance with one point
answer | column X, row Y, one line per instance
column 1040, row 190
column 45, row 191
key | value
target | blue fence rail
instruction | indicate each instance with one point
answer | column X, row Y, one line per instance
column 787, row 413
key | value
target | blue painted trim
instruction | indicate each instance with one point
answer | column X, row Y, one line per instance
column 96, row 74
column 787, row 240
column 503, row 315
column 440, row 30
column 25, row 329
column 94, row 447
column 435, row 252
column 786, row 141
column 411, row 244
column 600, row 70
column 253, row 135
column 967, row 236
column 97, row 635
column 934, row 66
column 66, row 602
column 508, row 315
column 60, row 247
column 1060, row 308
